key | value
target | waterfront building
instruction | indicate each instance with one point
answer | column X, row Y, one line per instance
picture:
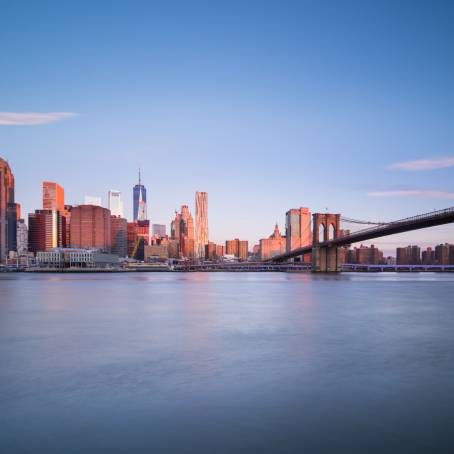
column 115, row 204
column 45, row 230
column 90, row 228
column 158, row 230
column 274, row 245
column 6, row 198
column 428, row 256
column 219, row 250
column 139, row 201
column 410, row 255
column 61, row 258
column 156, row 252
column 21, row 237
column 201, row 223
column 53, row 196
column 119, row 232
column 365, row 255
column 443, row 253
column 237, row 248
column 92, row 200
column 210, row 251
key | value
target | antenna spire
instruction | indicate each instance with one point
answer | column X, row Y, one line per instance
column 139, row 176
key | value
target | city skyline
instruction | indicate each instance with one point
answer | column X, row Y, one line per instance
column 359, row 123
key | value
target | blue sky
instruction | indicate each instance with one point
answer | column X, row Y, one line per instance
column 264, row 105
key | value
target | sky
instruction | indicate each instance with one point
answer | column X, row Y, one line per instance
column 339, row 106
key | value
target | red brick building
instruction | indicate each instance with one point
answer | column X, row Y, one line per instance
column 90, row 228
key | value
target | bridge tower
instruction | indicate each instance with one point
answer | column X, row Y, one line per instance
column 326, row 227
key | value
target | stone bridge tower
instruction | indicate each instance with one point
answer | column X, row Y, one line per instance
column 326, row 227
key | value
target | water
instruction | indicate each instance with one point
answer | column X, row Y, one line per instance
column 227, row 363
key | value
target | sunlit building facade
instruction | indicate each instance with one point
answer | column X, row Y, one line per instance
column 90, row 228
column 298, row 230
column 182, row 229
column 201, row 223
column 274, row 245
column 53, row 196
column 6, row 198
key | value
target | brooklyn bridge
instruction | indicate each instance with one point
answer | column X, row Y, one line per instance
column 327, row 236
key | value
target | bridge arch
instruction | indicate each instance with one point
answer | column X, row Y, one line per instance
column 331, row 233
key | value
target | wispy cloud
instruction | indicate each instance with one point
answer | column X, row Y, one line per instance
column 32, row 118
column 418, row 193
column 424, row 164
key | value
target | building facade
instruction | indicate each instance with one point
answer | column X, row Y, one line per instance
column 115, row 204
column 139, row 195
column 158, row 230
column 182, row 230
column 6, row 198
column 237, row 248
column 201, row 223
column 409, row 255
column 274, row 245
column 90, row 228
column 119, row 236
column 53, row 196
column 22, row 237
column 45, row 230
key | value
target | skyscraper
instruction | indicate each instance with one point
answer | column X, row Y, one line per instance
column 53, row 196
column 45, row 230
column 6, row 198
column 298, row 231
column 90, row 228
column 115, row 204
column 139, row 201
column 201, row 223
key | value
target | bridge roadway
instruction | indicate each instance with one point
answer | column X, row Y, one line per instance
column 421, row 221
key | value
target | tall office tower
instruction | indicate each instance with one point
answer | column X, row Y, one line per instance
column 158, row 230
column 45, row 230
column 201, row 223
column 90, row 228
column 119, row 233
column 92, row 200
column 139, row 201
column 6, row 197
column 21, row 237
column 53, row 196
column 115, row 204
column 298, row 230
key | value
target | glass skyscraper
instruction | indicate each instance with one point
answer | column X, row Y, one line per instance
column 139, row 201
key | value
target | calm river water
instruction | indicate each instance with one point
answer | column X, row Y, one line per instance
column 226, row 363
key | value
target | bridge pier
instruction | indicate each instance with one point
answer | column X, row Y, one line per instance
column 325, row 259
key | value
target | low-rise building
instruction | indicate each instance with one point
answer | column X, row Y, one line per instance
column 60, row 258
